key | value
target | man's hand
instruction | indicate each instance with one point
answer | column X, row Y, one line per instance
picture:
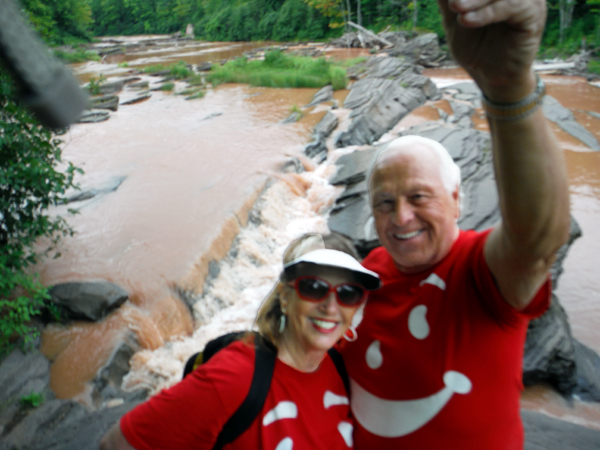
column 496, row 41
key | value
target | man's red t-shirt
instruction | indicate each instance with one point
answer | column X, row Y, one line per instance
column 302, row 410
column 438, row 360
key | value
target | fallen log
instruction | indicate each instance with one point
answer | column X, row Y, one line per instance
column 371, row 34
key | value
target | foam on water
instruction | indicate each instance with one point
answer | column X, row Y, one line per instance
column 247, row 275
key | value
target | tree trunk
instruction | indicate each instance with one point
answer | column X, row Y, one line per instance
column 415, row 13
column 349, row 9
column 358, row 12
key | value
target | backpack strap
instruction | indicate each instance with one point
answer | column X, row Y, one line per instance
column 242, row 418
column 341, row 368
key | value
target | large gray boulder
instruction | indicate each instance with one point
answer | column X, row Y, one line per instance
column 92, row 300
column 388, row 90
column 423, row 50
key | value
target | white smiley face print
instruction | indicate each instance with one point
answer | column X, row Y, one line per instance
column 396, row 418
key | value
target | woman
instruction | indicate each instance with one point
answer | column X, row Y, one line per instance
column 308, row 311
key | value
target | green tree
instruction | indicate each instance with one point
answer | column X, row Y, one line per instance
column 29, row 185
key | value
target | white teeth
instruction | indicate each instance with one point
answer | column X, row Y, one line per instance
column 407, row 235
column 324, row 324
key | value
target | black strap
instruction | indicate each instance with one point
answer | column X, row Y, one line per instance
column 341, row 368
column 264, row 363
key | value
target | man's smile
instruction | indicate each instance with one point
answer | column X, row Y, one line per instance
column 408, row 235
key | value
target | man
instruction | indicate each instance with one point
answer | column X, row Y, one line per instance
column 438, row 359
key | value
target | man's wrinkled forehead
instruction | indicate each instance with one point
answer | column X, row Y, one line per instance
column 392, row 159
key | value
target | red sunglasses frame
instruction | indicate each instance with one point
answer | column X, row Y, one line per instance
column 330, row 289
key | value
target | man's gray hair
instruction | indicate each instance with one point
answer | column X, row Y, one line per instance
column 449, row 170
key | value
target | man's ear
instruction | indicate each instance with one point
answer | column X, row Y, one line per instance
column 456, row 199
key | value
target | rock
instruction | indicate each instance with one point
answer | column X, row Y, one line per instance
column 325, row 94
column 91, row 300
column 423, row 49
column 389, row 90
column 587, row 373
column 317, row 149
column 71, row 427
column 325, row 127
column 294, row 117
column 138, row 99
column 139, row 85
column 111, row 87
column 105, row 102
column 110, row 186
column 34, row 424
column 293, row 165
column 545, row 433
column 550, row 352
column 108, row 380
column 21, row 374
column 204, row 67
column 564, row 118
column 189, row 30
column 94, row 116
column 212, row 116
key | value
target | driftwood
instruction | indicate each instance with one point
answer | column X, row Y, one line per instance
column 371, row 34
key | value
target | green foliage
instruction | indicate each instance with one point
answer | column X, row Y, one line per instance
column 77, row 56
column 167, row 87
column 32, row 400
column 60, row 21
column 281, row 70
column 94, row 84
column 29, row 185
column 594, row 67
column 178, row 70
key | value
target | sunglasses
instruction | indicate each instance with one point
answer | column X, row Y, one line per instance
column 315, row 289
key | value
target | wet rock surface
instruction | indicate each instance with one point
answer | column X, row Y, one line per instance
column 91, row 300
column 388, row 89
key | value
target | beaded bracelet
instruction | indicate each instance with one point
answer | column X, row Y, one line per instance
column 517, row 110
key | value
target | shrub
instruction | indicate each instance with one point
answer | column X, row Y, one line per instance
column 29, row 185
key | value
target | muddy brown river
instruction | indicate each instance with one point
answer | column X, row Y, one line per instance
column 191, row 172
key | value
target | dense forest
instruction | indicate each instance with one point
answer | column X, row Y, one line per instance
column 570, row 22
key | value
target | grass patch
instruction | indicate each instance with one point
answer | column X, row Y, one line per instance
column 167, row 87
column 594, row 67
column 77, row 56
column 352, row 61
column 123, row 64
column 32, row 400
column 281, row 70
column 195, row 80
column 178, row 70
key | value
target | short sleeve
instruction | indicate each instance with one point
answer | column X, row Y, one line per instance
column 502, row 311
column 191, row 413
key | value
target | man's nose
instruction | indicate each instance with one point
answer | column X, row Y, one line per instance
column 404, row 213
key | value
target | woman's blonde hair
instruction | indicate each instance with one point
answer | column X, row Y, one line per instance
column 269, row 314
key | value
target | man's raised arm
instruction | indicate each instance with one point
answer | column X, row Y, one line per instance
column 496, row 41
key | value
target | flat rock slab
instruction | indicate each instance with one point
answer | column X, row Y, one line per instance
column 91, row 300
column 545, row 433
